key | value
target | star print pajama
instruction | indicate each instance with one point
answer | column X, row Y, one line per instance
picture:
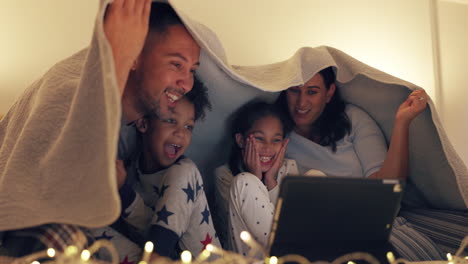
column 250, row 205
column 176, row 212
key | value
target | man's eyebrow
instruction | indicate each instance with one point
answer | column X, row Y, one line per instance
column 177, row 54
column 313, row 86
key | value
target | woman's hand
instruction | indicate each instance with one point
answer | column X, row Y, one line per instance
column 412, row 107
column 270, row 175
column 126, row 26
column 251, row 157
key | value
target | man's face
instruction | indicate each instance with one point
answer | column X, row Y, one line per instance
column 164, row 72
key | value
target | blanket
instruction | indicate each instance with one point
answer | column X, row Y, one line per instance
column 58, row 142
column 437, row 178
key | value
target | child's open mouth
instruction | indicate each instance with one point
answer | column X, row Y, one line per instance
column 266, row 160
column 171, row 150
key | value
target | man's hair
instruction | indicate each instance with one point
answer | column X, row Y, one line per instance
column 163, row 16
column 198, row 96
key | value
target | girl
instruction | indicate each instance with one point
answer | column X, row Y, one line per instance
column 248, row 184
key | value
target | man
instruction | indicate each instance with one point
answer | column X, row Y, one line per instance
column 154, row 68
column 154, row 60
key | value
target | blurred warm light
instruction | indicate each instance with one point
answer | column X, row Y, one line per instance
column 149, row 246
column 71, row 250
column 245, row 236
column 186, row 256
column 210, row 248
column 85, row 255
column 51, row 252
column 273, row 260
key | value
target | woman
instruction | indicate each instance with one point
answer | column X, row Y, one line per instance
column 334, row 138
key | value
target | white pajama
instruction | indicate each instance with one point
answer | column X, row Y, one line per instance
column 249, row 204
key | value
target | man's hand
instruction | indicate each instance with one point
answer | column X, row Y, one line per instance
column 121, row 173
column 126, row 27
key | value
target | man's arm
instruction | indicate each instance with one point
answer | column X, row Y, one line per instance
column 126, row 27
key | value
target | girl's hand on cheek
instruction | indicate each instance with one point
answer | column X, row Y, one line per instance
column 251, row 158
column 270, row 175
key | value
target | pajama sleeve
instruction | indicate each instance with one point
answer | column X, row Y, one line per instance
column 369, row 142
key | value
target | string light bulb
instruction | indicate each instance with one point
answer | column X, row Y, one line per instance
column 149, row 247
column 186, row 257
column 203, row 255
column 71, row 250
column 51, row 252
column 35, row 262
column 390, row 257
column 214, row 250
column 273, row 260
column 85, row 255
column 351, row 262
column 254, row 245
column 245, row 236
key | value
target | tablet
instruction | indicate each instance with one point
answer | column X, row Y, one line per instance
column 325, row 217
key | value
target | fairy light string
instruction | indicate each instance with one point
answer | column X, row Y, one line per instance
column 214, row 255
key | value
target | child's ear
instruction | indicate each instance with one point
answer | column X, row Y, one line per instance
column 142, row 125
column 239, row 140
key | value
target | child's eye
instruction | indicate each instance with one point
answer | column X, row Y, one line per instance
column 276, row 140
column 189, row 127
column 259, row 138
column 169, row 120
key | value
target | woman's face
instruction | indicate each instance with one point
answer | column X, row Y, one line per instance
column 306, row 103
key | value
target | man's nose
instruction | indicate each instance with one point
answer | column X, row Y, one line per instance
column 185, row 82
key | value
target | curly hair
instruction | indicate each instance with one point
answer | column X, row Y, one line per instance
column 198, row 96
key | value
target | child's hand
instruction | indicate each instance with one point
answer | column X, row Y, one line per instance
column 251, row 158
column 413, row 106
column 121, row 173
column 270, row 175
column 126, row 26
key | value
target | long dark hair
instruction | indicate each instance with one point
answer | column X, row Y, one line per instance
column 333, row 124
column 244, row 119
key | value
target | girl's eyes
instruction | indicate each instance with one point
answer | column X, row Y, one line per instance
column 170, row 121
column 189, row 127
column 276, row 140
column 259, row 138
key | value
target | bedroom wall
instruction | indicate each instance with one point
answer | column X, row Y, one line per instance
column 453, row 24
column 393, row 36
column 37, row 34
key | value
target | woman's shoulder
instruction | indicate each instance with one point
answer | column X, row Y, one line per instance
column 354, row 111
column 357, row 114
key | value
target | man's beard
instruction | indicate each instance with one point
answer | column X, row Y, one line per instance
column 153, row 108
